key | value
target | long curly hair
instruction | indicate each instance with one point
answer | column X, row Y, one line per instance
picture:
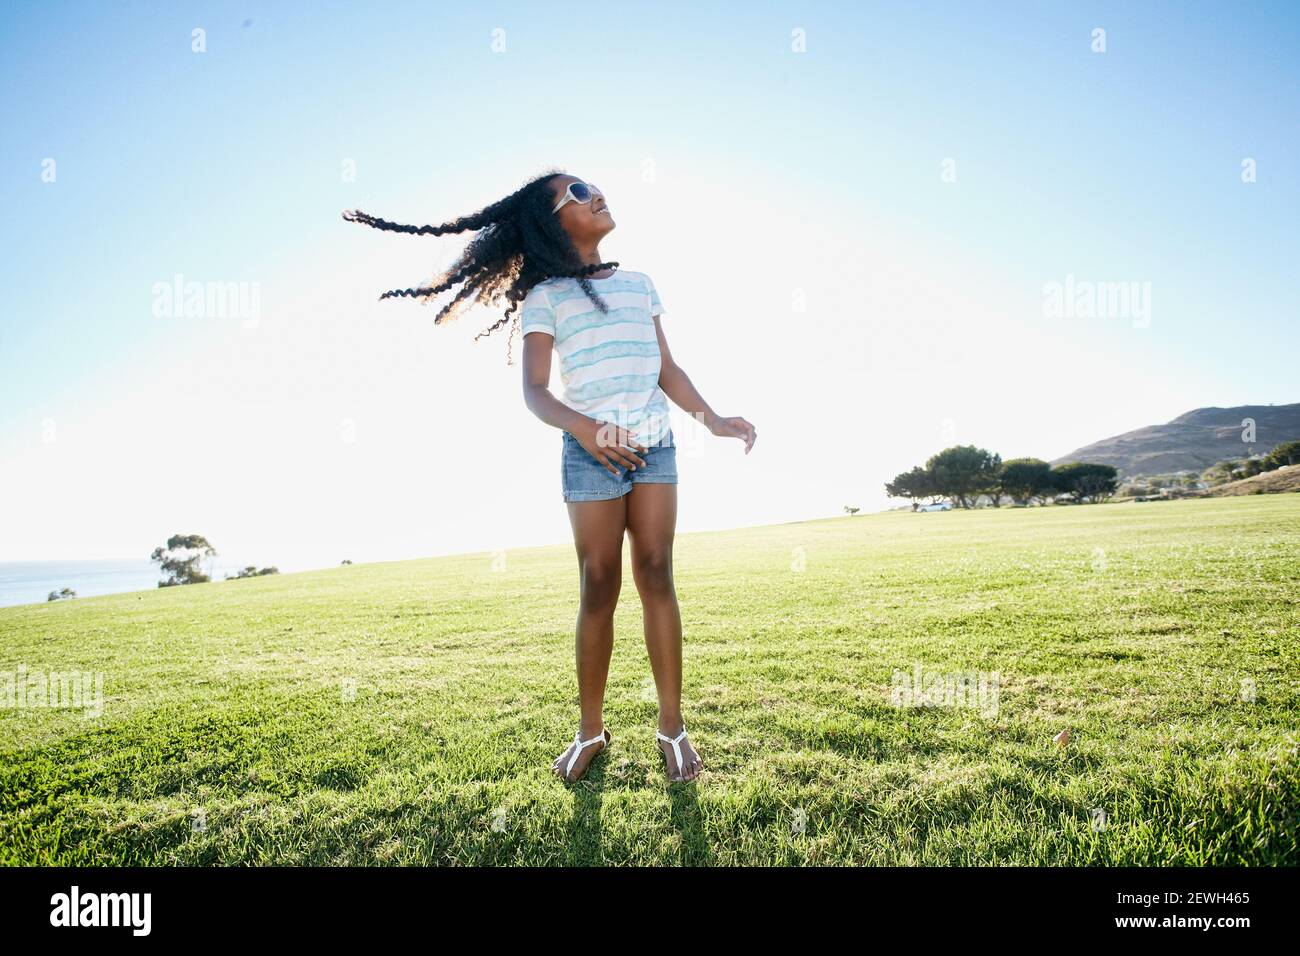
column 519, row 243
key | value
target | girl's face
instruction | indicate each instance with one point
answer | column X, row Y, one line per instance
column 587, row 222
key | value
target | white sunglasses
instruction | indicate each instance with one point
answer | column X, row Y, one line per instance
column 578, row 192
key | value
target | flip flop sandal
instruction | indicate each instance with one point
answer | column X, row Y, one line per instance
column 677, row 752
column 579, row 746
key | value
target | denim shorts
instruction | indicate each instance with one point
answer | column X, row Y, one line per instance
column 583, row 478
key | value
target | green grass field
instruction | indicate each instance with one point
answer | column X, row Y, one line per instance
column 407, row 713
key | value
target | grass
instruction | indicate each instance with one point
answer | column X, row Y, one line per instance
column 229, row 736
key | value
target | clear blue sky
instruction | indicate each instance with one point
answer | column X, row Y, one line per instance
column 774, row 171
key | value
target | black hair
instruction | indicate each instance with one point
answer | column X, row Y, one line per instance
column 520, row 243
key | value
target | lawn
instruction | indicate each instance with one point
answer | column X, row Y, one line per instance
column 407, row 713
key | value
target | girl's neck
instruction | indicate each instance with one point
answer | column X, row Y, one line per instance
column 590, row 255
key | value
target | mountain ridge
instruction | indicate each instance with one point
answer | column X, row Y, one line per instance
column 1194, row 440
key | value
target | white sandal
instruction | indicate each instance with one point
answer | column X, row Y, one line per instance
column 677, row 752
column 580, row 745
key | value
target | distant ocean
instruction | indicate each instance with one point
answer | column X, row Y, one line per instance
column 30, row 582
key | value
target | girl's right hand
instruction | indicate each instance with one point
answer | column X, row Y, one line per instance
column 610, row 445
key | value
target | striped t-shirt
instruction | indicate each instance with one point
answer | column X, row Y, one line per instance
column 609, row 361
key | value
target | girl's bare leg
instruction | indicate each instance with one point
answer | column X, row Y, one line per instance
column 598, row 537
column 651, row 524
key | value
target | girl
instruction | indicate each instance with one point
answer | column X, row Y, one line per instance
column 539, row 249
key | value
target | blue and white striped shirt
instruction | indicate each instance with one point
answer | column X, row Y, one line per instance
column 609, row 362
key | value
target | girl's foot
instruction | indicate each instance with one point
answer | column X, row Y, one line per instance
column 573, row 763
column 690, row 763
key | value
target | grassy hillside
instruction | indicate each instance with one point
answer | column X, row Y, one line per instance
column 408, row 712
column 1280, row 480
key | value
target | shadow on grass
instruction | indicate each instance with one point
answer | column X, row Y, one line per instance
column 585, row 828
column 685, row 815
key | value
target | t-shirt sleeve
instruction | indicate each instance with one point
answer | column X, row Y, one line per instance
column 656, row 307
column 537, row 314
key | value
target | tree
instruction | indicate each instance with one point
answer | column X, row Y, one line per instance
column 851, row 509
column 179, row 559
column 62, row 594
column 1287, row 453
column 964, row 472
column 914, row 485
column 252, row 572
column 1024, row 479
column 1086, row 481
column 1221, row 472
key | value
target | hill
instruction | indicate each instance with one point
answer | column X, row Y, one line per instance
column 1194, row 441
column 1286, row 478
column 407, row 713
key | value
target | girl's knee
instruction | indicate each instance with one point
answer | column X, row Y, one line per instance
column 601, row 581
column 653, row 570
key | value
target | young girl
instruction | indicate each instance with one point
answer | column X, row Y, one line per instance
column 539, row 249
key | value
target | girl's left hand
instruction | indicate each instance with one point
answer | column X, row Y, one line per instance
column 735, row 428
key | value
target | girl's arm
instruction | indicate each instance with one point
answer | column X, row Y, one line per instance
column 589, row 432
column 678, row 386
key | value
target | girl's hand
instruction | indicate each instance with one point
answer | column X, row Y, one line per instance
column 734, row 428
column 610, row 445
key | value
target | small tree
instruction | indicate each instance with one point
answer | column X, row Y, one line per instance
column 179, row 559
column 913, row 485
column 62, row 594
column 252, row 572
column 1220, row 473
column 851, row 510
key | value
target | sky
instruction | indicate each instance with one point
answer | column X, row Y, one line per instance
column 855, row 215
